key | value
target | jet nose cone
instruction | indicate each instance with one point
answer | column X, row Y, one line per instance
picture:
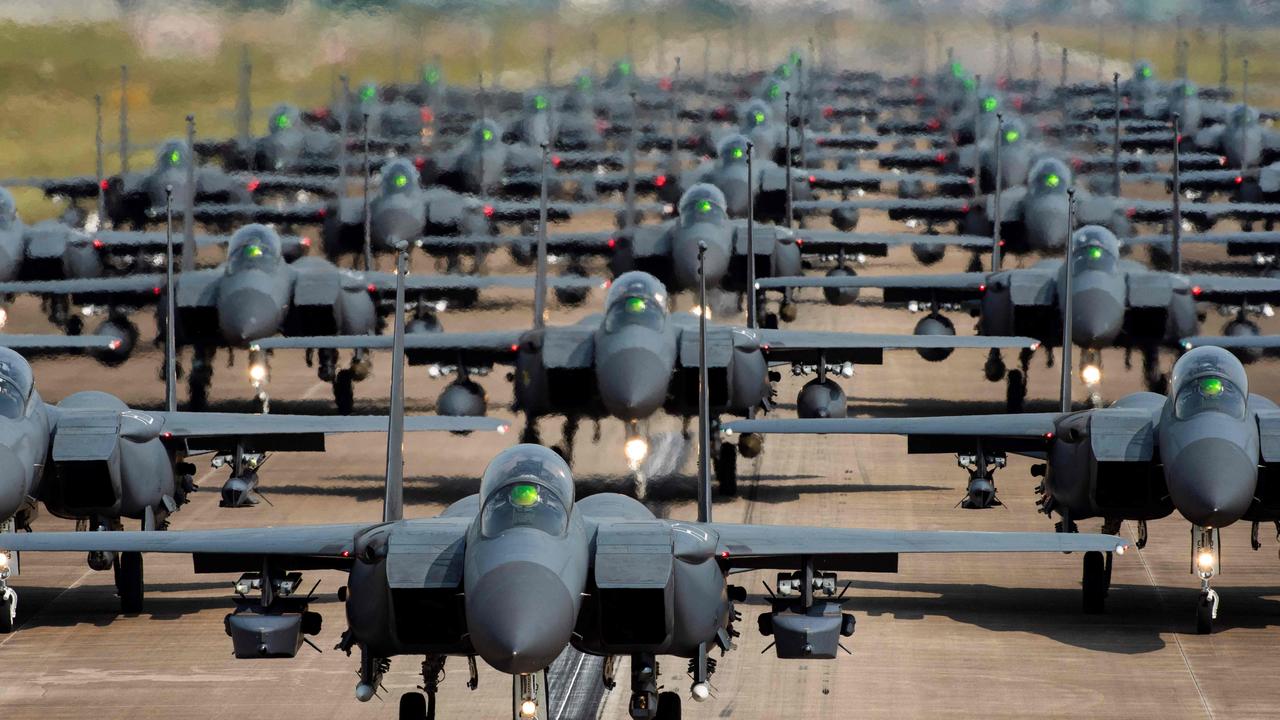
column 715, row 262
column 735, row 196
column 1047, row 226
column 247, row 314
column 632, row 381
column 520, row 617
column 390, row 223
column 1212, row 482
column 1096, row 318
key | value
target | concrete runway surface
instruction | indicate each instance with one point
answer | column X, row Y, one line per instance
column 962, row 636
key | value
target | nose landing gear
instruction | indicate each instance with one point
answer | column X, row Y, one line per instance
column 1205, row 562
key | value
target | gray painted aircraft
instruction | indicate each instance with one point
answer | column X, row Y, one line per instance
column 522, row 570
column 640, row 357
column 1119, row 303
column 1205, row 450
column 668, row 250
column 255, row 294
column 92, row 458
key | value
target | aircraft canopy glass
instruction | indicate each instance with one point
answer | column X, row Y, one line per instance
column 254, row 247
column 16, row 383
column 702, row 203
column 398, row 176
column 1095, row 248
column 523, row 503
column 1209, row 393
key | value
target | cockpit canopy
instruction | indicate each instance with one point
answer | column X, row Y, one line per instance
column 1049, row 175
column 255, row 247
column 1142, row 70
column 1012, row 131
column 1183, row 89
column 989, row 103
column 757, row 113
column 16, row 383
column 1209, row 379
column 702, row 203
column 431, row 74
column 368, row 92
column 1094, row 248
column 172, row 154
column 8, row 207
column 635, row 299
column 538, row 102
column 486, row 133
column 283, row 117
column 1243, row 115
column 398, row 176
column 733, row 150
column 526, row 486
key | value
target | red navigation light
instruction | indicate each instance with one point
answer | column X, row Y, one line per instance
column 665, row 84
column 828, row 111
column 1048, row 435
column 940, row 158
column 322, row 212
column 305, row 242
column 964, row 208
column 253, row 184
column 982, row 287
column 103, row 183
column 98, row 244
column 156, row 290
column 555, row 160
column 1130, row 211
column 933, row 123
column 427, row 115
column 371, row 287
column 515, row 347
column 1239, row 179
column 488, row 211
column 419, row 162
column 660, row 181
column 611, row 243
column 1196, row 290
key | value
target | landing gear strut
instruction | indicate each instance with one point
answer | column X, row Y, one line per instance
column 419, row 706
column 646, row 702
column 1205, row 562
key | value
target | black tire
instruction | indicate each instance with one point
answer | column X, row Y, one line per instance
column 6, row 616
column 668, row 706
column 198, row 390
column 1204, row 615
column 1015, row 392
column 1093, row 583
column 413, row 706
column 769, row 321
column 129, row 582
column 726, row 468
column 344, row 393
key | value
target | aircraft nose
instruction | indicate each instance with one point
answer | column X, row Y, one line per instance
column 1212, row 482
column 390, row 223
column 632, row 382
column 715, row 262
column 735, row 195
column 1096, row 318
column 1047, row 226
column 247, row 314
column 520, row 617
column 13, row 483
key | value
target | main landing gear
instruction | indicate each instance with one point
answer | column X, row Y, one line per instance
column 8, row 597
column 1015, row 380
column 646, row 702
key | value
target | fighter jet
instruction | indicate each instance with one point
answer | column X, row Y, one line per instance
column 523, row 570
column 639, row 356
column 1119, row 303
column 1204, row 450
column 91, row 457
column 255, row 294
column 668, row 250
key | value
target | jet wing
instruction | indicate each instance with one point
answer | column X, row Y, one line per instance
column 129, row 241
column 513, row 211
column 947, row 287
column 1234, row 290
column 248, row 212
column 300, row 541
column 83, row 186
column 1261, row 240
column 582, row 243
column 444, row 285
column 482, row 348
column 830, row 242
column 1233, row 342
column 806, row 346
column 949, row 184
column 1017, row 432
column 139, row 289
column 59, row 342
column 855, row 141
column 938, row 209
column 784, row 547
column 1159, row 210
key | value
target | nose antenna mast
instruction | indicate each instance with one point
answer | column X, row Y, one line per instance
column 704, row 409
column 1176, row 229
column 540, row 278
column 1068, row 302
column 393, row 502
column 995, row 235
column 170, row 321
column 189, row 196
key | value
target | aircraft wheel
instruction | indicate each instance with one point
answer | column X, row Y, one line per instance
column 413, row 706
column 1016, row 392
column 726, row 467
column 7, row 602
column 769, row 321
column 129, row 582
column 668, row 706
column 787, row 312
column 1204, row 614
column 75, row 325
column 1093, row 583
column 344, row 391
